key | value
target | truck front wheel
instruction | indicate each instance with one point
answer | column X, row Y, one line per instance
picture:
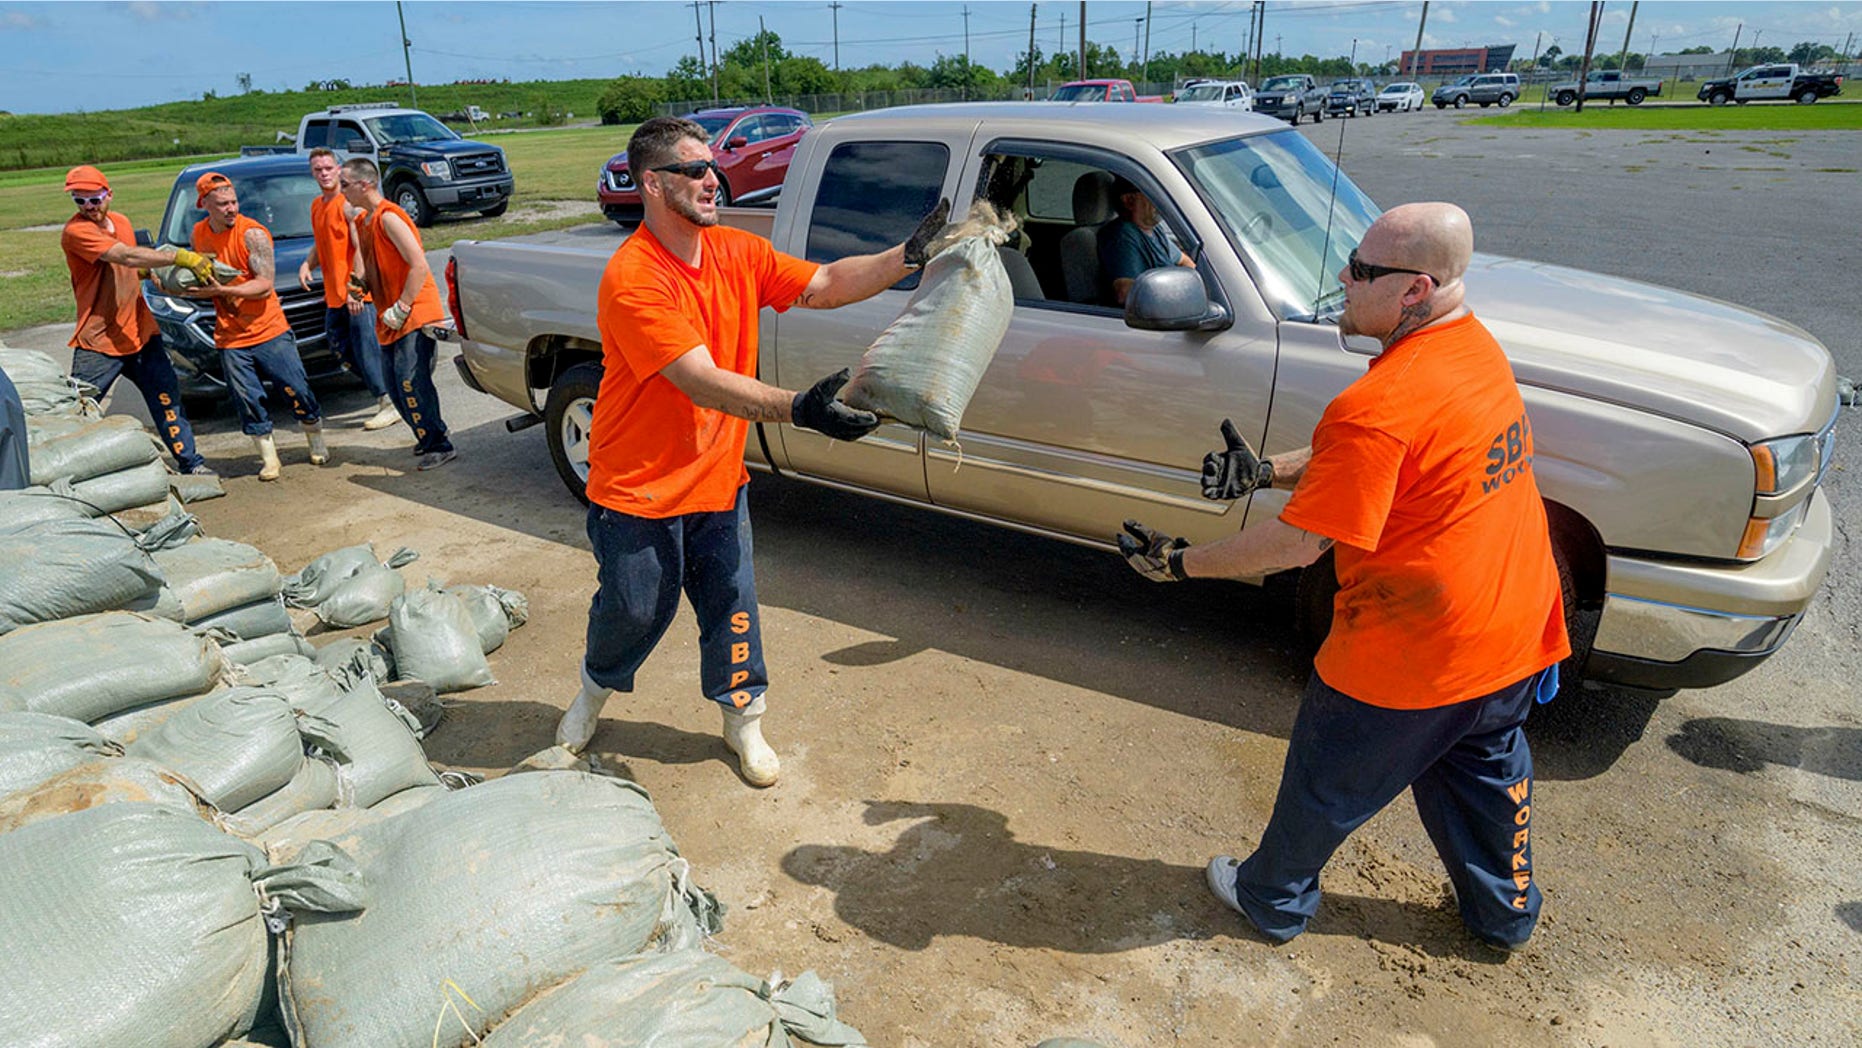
column 1565, row 98
column 568, row 416
column 410, row 199
column 1635, row 96
column 1719, row 98
column 1461, row 101
column 501, row 207
column 1807, row 96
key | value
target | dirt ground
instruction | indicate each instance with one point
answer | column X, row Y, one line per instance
column 1006, row 761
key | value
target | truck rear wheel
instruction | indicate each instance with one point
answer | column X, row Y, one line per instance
column 1807, row 96
column 1565, row 98
column 1635, row 96
column 568, row 416
column 410, row 199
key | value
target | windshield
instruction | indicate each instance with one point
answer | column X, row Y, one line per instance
column 407, row 128
column 1081, row 93
column 1396, row 89
column 1270, row 192
column 280, row 203
column 714, row 124
column 1283, row 83
column 1201, row 93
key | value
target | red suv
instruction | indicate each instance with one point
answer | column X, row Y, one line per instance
column 752, row 144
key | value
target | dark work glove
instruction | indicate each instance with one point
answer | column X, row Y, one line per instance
column 817, row 409
column 926, row 232
column 1233, row 473
column 1151, row 553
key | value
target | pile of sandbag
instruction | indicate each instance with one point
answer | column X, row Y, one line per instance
column 119, row 670
column 233, row 589
column 349, row 586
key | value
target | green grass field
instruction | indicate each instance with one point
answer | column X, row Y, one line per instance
column 1828, row 115
column 550, row 167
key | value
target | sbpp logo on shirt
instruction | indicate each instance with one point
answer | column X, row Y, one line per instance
column 1509, row 456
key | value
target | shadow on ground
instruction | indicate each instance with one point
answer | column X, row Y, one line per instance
column 1747, row 746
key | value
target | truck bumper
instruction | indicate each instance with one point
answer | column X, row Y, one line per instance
column 1669, row 625
column 470, row 196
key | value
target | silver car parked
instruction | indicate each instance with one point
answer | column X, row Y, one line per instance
column 1483, row 89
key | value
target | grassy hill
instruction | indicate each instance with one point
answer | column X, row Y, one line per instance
column 222, row 125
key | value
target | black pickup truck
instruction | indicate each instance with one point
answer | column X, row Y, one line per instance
column 1291, row 97
column 1763, row 83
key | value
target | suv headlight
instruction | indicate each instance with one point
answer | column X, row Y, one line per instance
column 439, row 169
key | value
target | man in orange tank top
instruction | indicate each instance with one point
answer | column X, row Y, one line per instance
column 348, row 314
column 1449, row 619
column 395, row 270
column 116, row 334
column 677, row 308
column 249, row 323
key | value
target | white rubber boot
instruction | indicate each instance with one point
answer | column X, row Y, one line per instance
column 319, row 451
column 743, row 733
column 577, row 726
column 269, row 467
column 384, row 416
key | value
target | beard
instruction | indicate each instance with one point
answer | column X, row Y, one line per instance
column 687, row 208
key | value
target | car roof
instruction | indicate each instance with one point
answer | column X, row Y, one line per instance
column 1161, row 127
column 249, row 166
column 742, row 110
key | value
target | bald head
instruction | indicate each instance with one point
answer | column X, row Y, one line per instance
column 1434, row 237
column 1422, row 251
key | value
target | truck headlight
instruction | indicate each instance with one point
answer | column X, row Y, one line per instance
column 439, row 169
column 1785, row 473
column 1784, row 463
column 1765, row 534
column 172, row 308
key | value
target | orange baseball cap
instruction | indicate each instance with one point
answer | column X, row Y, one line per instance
column 207, row 183
column 85, row 178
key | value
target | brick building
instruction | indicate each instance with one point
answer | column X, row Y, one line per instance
column 1456, row 61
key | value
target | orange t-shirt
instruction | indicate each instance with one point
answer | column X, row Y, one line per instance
column 112, row 317
column 387, row 274
column 1422, row 472
column 331, row 231
column 240, row 322
column 653, row 453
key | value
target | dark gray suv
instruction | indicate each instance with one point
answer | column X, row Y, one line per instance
column 1483, row 89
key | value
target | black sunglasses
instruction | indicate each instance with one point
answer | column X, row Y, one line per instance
column 1364, row 271
column 693, row 169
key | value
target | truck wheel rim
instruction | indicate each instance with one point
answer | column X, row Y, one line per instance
column 577, row 421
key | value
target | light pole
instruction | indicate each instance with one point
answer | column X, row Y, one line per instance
column 406, row 61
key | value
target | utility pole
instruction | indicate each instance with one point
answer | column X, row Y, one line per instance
column 406, row 61
column 966, row 52
column 1083, row 73
column 699, row 22
column 1622, row 60
column 1732, row 57
column 711, row 7
column 1590, row 44
column 1145, row 63
column 1536, row 41
column 1415, row 54
column 1136, row 24
column 1247, row 41
column 1192, row 38
column 1028, row 93
column 763, row 35
column 835, row 7
column 1260, row 38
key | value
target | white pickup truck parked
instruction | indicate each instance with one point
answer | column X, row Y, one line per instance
column 1606, row 84
column 1681, row 441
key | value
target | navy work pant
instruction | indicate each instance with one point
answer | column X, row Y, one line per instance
column 352, row 337
column 154, row 376
column 1470, row 771
column 410, row 367
column 642, row 566
column 277, row 359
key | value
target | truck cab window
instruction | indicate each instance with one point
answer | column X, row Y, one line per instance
column 316, row 135
column 872, row 195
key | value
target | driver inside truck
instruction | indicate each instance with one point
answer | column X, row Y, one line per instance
column 1134, row 241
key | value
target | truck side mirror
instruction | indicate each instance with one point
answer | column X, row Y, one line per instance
column 1172, row 298
column 144, row 238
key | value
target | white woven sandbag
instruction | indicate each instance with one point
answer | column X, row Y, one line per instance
column 313, row 788
column 493, row 893
column 261, row 618
column 682, row 999
column 74, row 448
column 246, row 652
column 44, row 387
column 237, row 745
column 436, row 641
column 109, row 780
column 28, row 506
column 215, row 575
column 925, row 367
column 134, row 924
column 36, row 746
column 372, row 744
column 495, row 612
column 61, row 568
column 125, row 489
column 319, row 579
column 362, row 598
column 93, row 666
column 285, row 841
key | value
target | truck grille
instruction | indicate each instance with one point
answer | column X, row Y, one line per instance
column 619, row 180
column 478, row 165
column 305, row 315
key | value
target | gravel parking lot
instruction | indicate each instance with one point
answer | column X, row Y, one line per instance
column 1007, row 759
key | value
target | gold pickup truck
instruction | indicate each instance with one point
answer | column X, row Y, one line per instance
column 1681, row 441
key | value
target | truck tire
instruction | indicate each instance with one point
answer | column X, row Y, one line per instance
column 501, row 207
column 1505, row 100
column 1318, row 115
column 568, row 416
column 1461, row 101
column 1635, row 96
column 1806, row 96
column 409, row 198
column 1719, row 98
column 1565, row 98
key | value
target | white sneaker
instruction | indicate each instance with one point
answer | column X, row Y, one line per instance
column 743, row 733
column 577, row 726
column 385, row 415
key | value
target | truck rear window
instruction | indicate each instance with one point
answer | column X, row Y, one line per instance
column 873, row 195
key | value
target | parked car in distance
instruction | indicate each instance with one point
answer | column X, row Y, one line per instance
column 426, row 167
column 1771, row 82
column 1218, row 94
column 1483, row 89
column 1400, row 97
column 1680, row 442
column 1350, row 97
column 1101, row 90
column 1606, row 84
column 1292, row 98
column 752, row 146
column 275, row 192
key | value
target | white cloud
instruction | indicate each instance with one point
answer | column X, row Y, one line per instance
column 1503, row 20
column 149, row 11
column 22, row 21
column 1445, row 15
column 1545, row 7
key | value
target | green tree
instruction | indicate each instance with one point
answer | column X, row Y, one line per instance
column 1550, row 57
column 1809, row 52
column 1701, row 49
column 630, row 99
column 802, row 76
column 749, row 52
column 688, row 80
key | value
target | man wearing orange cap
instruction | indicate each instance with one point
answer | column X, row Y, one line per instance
column 249, row 324
column 116, row 334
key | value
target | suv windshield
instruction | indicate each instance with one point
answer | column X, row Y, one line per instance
column 1271, row 194
column 407, row 128
column 280, row 203
column 1201, row 93
column 1081, row 93
column 1283, row 83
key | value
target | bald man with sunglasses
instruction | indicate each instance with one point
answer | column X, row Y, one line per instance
column 1449, row 619
column 677, row 308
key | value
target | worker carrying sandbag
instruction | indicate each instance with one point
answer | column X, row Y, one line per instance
column 924, row 369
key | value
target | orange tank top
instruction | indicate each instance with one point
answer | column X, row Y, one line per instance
column 240, row 322
column 387, row 274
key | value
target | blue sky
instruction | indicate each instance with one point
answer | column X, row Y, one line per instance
column 92, row 55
